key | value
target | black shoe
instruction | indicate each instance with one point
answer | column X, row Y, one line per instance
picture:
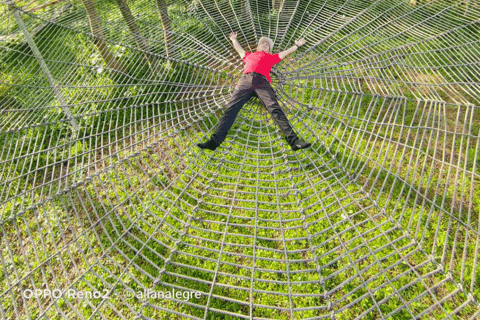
column 210, row 144
column 300, row 144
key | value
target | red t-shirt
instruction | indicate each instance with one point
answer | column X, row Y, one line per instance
column 260, row 62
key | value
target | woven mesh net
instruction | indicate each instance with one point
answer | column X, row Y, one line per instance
column 103, row 189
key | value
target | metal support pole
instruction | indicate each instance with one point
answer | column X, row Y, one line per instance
column 43, row 65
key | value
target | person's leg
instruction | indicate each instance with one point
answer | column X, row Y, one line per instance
column 266, row 94
column 240, row 96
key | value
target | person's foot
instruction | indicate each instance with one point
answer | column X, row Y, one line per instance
column 300, row 144
column 210, row 144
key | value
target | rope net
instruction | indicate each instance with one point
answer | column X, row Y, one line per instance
column 102, row 188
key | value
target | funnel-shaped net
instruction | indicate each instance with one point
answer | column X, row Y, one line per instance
column 103, row 189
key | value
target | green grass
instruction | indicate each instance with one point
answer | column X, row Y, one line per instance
column 139, row 189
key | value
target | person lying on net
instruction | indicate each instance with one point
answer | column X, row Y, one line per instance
column 256, row 78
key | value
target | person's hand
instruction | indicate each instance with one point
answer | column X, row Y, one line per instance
column 300, row 42
column 233, row 36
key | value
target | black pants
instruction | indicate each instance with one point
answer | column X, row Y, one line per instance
column 249, row 83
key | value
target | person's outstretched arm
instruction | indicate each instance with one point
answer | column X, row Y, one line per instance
column 298, row 43
column 236, row 45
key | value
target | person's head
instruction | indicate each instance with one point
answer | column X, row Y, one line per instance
column 265, row 44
